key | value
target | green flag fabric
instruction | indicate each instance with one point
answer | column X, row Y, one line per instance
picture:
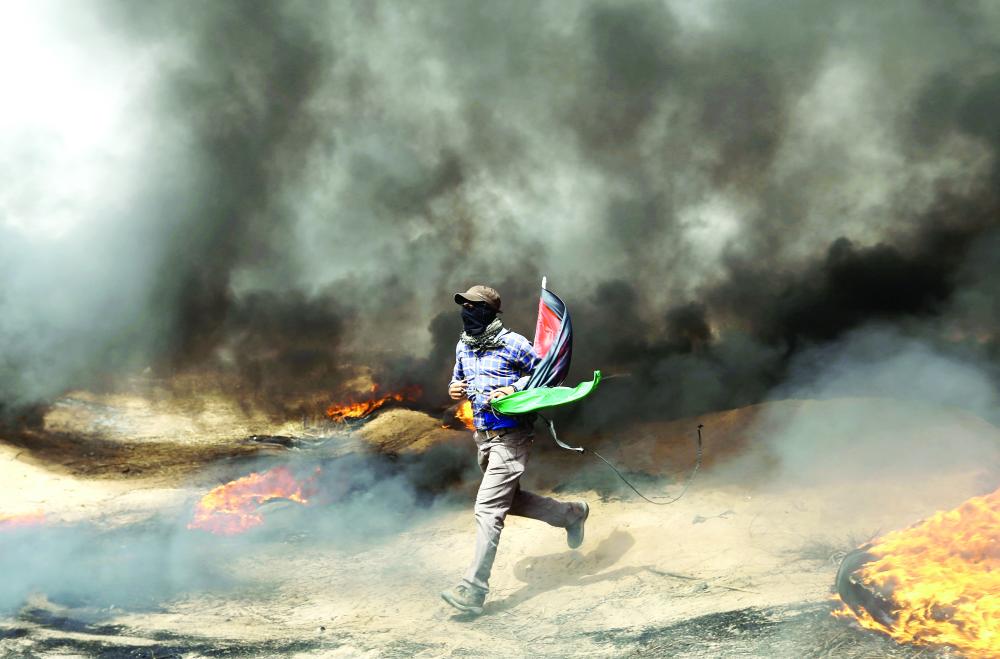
column 540, row 398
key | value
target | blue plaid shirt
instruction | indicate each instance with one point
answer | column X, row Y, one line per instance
column 484, row 371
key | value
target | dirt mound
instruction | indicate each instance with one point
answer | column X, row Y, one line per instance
column 407, row 431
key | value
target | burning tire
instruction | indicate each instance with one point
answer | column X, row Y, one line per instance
column 855, row 594
column 935, row 584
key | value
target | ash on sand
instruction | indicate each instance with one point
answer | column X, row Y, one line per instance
column 360, row 574
column 790, row 631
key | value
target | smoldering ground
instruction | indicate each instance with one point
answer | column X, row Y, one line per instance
column 284, row 192
column 353, row 501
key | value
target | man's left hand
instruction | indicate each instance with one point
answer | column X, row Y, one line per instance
column 500, row 392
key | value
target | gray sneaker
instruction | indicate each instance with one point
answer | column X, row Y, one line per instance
column 465, row 599
column 574, row 532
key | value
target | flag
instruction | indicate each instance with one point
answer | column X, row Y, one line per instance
column 540, row 398
column 554, row 344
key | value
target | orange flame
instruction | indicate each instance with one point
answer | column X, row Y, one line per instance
column 232, row 508
column 943, row 575
column 343, row 412
column 464, row 414
column 15, row 521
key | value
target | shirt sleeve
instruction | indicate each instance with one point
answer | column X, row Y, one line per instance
column 458, row 373
column 525, row 361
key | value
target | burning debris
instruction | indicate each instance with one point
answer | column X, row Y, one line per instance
column 936, row 583
column 464, row 414
column 359, row 410
column 458, row 417
column 234, row 507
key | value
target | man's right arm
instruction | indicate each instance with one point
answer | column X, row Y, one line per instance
column 457, row 386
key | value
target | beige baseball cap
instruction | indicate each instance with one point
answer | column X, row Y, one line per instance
column 480, row 293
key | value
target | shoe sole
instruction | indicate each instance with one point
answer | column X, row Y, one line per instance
column 462, row 607
column 583, row 526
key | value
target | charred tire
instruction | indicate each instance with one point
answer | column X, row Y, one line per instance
column 858, row 596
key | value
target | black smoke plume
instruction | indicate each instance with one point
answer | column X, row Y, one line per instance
column 712, row 188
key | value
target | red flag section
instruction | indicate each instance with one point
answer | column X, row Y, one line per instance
column 553, row 342
column 546, row 329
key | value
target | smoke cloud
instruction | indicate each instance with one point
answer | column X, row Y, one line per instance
column 355, row 501
column 277, row 194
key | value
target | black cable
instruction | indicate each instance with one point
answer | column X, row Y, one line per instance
column 697, row 465
column 690, row 478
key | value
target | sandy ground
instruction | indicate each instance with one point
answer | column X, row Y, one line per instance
column 743, row 565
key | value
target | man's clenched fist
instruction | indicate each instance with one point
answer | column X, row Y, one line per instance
column 457, row 389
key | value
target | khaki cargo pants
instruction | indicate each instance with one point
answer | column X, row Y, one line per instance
column 502, row 461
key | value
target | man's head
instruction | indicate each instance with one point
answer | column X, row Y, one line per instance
column 480, row 306
column 482, row 294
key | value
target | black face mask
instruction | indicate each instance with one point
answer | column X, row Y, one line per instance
column 477, row 319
